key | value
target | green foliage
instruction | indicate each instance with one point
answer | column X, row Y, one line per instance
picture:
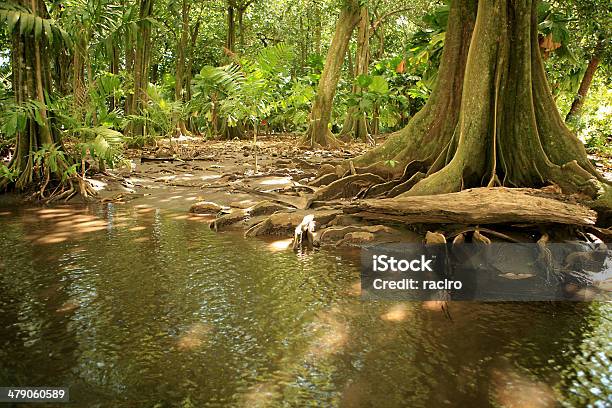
column 49, row 160
column 256, row 90
column 22, row 20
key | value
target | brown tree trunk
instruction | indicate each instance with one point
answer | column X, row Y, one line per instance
column 180, row 66
column 189, row 71
column 230, row 42
column 318, row 133
column 32, row 83
column 114, row 69
column 318, row 28
column 141, row 65
column 493, row 121
column 355, row 124
column 79, row 89
column 585, row 83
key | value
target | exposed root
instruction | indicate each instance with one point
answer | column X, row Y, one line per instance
column 327, row 141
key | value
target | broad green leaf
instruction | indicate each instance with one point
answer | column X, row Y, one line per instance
column 26, row 24
column 13, row 18
column 379, row 85
column 38, row 27
column 364, row 80
column 48, row 31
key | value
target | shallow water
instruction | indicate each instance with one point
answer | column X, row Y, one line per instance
column 139, row 307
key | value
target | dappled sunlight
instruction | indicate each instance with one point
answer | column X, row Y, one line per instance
column 194, row 337
column 513, row 390
column 331, row 334
column 61, row 224
column 280, row 245
column 354, row 289
column 69, row 306
column 275, row 181
column 396, row 313
column 433, row 305
column 261, row 395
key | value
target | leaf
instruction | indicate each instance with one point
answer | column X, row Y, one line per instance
column 379, row 85
column 364, row 80
column 13, row 18
column 38, row 27
column 27, row 23
column 48, row 30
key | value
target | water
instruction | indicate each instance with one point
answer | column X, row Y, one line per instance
column 140, row 307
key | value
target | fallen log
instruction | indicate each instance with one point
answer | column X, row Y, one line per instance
column 475, row 206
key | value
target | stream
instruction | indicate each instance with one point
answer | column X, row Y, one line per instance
column 139, row 305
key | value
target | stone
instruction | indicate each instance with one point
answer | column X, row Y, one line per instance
column 205, row 207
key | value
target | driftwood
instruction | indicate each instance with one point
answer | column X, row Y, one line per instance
column 475, row 206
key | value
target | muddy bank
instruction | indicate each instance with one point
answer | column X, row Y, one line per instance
column 269, row 188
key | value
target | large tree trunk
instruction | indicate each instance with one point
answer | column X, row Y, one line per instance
column 355, row 124
column 585, row 83
column 142, row 55
column 491, row 119
column 32, row 83
column 318, row 133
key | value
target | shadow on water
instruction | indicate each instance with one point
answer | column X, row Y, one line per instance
column 137, row 306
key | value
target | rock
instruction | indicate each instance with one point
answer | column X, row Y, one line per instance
column 344, row 221
column 356, row 238
column 266, row 208
column 226, row 220
column 205, row 207
column 244, row 204
column 434, row 238
column 284, row 223
column 324, row 180
column 332, row 235
column 326, row 169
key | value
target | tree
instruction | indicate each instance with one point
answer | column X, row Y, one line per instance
column 141, row 60
column 318, row 133
column 589, row 73
column 491, row 119
column 180, row 74
column 39, row 161
column 355, row 123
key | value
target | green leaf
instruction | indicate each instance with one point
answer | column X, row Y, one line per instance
column 379, row 85
column 13, row 18
column 27, row 23
column 48, row 30
column 38, row 27
column 364, row 80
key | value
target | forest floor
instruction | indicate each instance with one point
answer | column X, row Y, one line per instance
column 274, row 187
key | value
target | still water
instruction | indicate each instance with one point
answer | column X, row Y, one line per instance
column 131, row 306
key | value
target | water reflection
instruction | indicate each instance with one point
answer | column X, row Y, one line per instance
column 136, row 306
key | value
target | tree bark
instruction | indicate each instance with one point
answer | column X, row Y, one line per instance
column 30, row 59
column 318, row 133
column 230, row 42
column 475, row 206
column 180, row 66
column 585, row 83
column 356, row 124
column 141, row 65
column 491, row 119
